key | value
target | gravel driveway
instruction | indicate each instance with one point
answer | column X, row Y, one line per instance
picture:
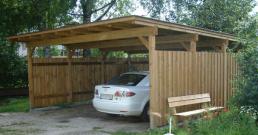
column 73, row 120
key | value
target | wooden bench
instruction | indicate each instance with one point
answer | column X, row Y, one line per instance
column 203, row 99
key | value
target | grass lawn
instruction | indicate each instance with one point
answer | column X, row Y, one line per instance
column 19, row 104
column 228, row 123
column 158, row 131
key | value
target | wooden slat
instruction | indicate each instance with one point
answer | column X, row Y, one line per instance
column 189, row 97
column 189, row 102
column 199, row 111
column 50, row 79
column 160, row 40
column 190, row 74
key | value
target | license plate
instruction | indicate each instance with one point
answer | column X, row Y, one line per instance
column 106, row 96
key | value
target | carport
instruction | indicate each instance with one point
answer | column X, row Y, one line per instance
column 182, row 60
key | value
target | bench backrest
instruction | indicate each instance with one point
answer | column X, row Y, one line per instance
column 189, row 100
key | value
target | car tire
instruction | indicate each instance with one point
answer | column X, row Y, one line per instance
column 145, row 113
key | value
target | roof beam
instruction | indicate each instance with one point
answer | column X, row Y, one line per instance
column 136, row 42
column 144, row 41
column 135, row 48
column 183, row 28
column 112, row 35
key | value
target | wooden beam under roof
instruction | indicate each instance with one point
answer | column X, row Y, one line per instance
column 134, row 48
column 211, row 42
column 132, row 22
column 128, row 20
column 111, row 35
column 182, row 28
column 136, row 42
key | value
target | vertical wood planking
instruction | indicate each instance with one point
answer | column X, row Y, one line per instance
column 174, row 73
column 185, row 73
column 50, row 77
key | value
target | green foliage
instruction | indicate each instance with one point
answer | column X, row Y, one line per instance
column 54, row 51
column 157, row 131
column 117, row 54
column 19, row 16
column 13, row 69
column 230, row 123
column 14, row 104
column 219, row 15
column 95, row 10
column 247, row 81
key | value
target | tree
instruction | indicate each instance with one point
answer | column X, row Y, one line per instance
column 96, row 10
column 18, row 16
column 247, row 80
column 49, row 14
column 219, row 15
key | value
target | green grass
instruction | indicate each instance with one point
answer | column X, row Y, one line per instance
column 20, row 104
column 229, row 123
column 157, row 131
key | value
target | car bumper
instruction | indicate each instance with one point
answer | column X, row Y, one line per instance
column 121, row 108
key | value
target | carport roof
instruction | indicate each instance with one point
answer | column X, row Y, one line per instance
column 122, row 23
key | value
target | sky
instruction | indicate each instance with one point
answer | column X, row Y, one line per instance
column 256, row 8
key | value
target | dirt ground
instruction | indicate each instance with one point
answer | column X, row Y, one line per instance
column 72, row 120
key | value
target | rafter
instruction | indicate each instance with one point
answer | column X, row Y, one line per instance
column 119, row 34
column 136, row 42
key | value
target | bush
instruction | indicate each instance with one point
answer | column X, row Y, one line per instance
column 247, row 80
column 230, row 123
column 13, row 68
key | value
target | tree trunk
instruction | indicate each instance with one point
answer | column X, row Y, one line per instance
column 87, row 7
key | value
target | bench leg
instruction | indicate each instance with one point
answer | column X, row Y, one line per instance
column 175, row 121
column 186, row 122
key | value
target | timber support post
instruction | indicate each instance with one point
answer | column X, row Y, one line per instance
column 69, row 83
column 154, row 110
column 30, row 51
column 129, row 62
column 103, row 59
column 224, row 51
column 193, row 49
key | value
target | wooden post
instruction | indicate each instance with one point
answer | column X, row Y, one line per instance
column 129, row 61
column 154, row 102
column 193, row 46
column 224, row 51
column 192, row 50
column 69, row 83
column 30, row 75
column 103, row 58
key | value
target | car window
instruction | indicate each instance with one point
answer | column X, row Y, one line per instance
column 126, row 79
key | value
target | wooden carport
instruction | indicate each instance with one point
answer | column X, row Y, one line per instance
column 183, row 60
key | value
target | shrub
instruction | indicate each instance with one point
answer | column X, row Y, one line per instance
column 247, row 80
column 230, row 123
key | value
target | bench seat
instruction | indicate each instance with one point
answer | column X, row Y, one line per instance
column 202, row 99
column 199, row 111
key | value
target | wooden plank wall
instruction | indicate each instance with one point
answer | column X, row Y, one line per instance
column 186, row 73
column 50, row 77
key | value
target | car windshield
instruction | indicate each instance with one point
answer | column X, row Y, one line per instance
column 126, row 79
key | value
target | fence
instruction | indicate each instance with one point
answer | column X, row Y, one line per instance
column 186, row 73
column 50, row 77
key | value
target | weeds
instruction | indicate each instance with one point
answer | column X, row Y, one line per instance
column 20, row 104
